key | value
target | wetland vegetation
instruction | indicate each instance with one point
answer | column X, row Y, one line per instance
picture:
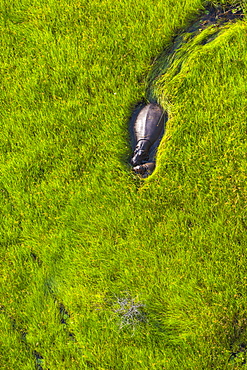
column 101, row 269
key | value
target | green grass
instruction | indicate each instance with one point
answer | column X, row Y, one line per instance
column 79, row 230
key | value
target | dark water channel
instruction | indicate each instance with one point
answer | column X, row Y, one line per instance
column 212, row 16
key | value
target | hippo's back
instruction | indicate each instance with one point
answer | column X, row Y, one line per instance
column 149, row 123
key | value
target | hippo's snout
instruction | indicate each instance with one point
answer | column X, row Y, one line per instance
column 144, row 169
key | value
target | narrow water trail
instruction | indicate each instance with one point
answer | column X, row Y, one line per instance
column 145, row 124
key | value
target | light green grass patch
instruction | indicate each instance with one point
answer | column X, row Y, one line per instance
column 79, row 229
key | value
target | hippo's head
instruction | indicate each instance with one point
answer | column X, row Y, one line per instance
column 145, row 169
column 140, row 156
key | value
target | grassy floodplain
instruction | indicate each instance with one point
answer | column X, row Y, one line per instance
column 79, row 231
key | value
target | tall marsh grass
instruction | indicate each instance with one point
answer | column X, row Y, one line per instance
column 79, row 231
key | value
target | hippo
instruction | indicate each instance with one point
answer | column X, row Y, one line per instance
column 148, row 129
